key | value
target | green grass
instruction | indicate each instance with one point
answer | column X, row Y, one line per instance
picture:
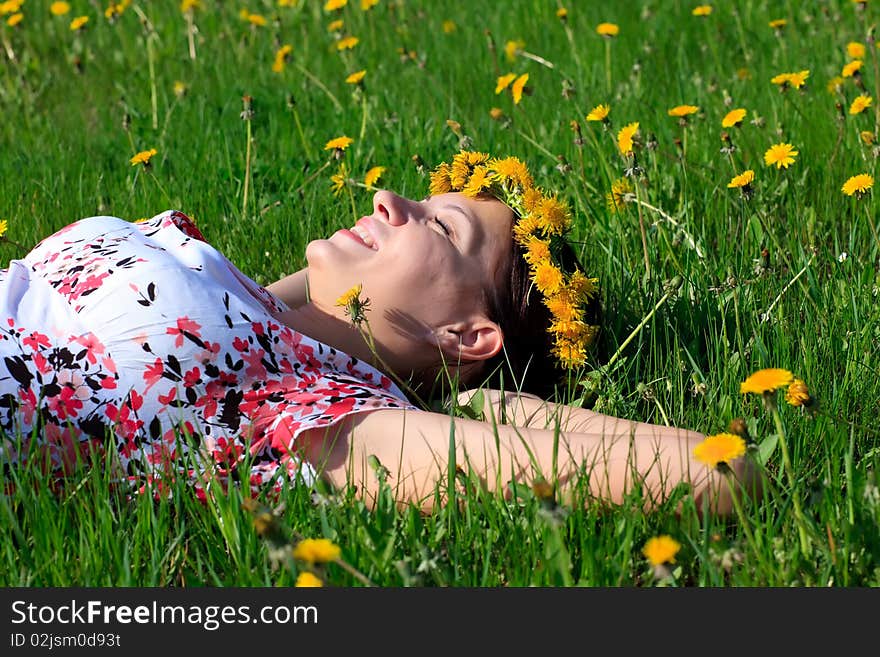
column 65, row 155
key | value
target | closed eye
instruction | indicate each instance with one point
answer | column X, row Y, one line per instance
column 442, row 225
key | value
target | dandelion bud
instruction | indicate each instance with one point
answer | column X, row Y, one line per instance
column 248, row 112
column 126, row 121
column 419, row 162
column 738, row 427
column 545, row 492
column 798, row 394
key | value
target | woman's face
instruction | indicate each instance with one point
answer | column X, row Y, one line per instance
column 424, row 265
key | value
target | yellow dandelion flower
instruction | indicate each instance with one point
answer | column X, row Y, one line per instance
column 799, row 79
column 317, row 550
column 347, row 43
column 59, row 8
column 496, row 113
column 618, row 197
column 683, row 110
column 288, row 3
column 720, row 448
column 625, row 137
column 702, row 10
column 778, row 23
column 743, row 74
column 733, row 118
column 143, row 157
column 78, row 23
column 339, row 180
column 782, row 155
column 180, row 88
column 441, row 182
column 257, row 20
column 851, row 68
column 479, row 180
column 599, row 113
column 742, row 180
column 562, row 305
column 855, row 50
column 356, row 77
column 504, row 81
column 341, row 143
column 835, row 84
column 562, row 13
column 532, row 198
column 449, row 27
column 798, row 394
column 860, row 104
column 335, row 26
column 766, row 380
column 583, row 286
column 858, row 184
column 281, row 57
column 868, row 138
column 4, row 226
column 518, row 86
column 350, row 297
column 537, row 250
column 372, row 176
column 570, row 354
column 660, row 550
column 513, row 170
column 555, row 218
column 10, row 7
column 334, row 5
column 607, row 30
column 189, row 6
column 548, row 278
column 366, row 5
column 511, row 48
column 15, row 19
column 308, row 580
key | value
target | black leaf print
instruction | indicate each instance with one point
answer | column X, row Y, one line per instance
column 19, row 370
column 151, row 291
column 174, row 364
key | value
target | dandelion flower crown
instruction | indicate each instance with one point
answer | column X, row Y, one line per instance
column 542, row 223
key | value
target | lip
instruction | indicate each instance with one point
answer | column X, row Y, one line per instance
column 354, row 236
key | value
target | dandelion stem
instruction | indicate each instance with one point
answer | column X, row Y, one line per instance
column 247, row 171
column 672, row 289
column 161, row 189
column 770, row 402
column 642, row 230
column 371, row 343
column 363, row 117
column 312, row 177
column 351, row 570
column 871, row 224
column 608, row 66
column 743, row 521
column 320, row 85
column 190, row 35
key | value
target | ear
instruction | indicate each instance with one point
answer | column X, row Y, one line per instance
column 473, row 340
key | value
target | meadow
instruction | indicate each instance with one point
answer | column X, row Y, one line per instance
column 724, row 242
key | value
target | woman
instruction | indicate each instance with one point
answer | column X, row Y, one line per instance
column 145, row 337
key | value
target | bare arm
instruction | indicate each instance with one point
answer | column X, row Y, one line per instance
column 526, row 410
column 415, row 447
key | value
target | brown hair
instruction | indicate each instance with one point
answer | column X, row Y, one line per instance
column 526, row 363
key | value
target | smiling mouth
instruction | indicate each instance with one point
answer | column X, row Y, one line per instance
column 363, row 236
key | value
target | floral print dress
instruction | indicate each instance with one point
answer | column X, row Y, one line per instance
column 143, row 339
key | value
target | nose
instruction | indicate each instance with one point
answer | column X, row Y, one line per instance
column 392, row 208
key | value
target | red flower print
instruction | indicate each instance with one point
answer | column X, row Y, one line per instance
column 36, row 340
column 65, row 404
column 93, row 346
column 153, row 373
column 184, row 325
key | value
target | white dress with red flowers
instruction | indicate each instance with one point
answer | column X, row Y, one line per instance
column 144, row 339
